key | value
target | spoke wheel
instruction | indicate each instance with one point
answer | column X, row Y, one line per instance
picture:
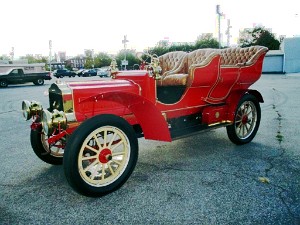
column 52, row 155
column 246, row 122
column 100, row 155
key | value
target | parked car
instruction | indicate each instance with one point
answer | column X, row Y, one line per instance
column 18, row 76
column 103, row 72
column 79, row 72
column 89, row 72
column 91, row 127
column 60, row 73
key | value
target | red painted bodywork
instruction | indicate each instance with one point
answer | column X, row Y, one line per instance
column 214, row 92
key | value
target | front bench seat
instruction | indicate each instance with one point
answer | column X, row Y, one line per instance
column 173, row 66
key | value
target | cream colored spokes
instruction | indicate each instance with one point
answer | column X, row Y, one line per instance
column 104, row 156
column 246, row 119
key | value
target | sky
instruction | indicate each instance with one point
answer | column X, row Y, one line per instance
column 75, row 25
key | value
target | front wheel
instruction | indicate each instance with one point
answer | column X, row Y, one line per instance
column 100, row 155
column 246, row 121
column 52, row 155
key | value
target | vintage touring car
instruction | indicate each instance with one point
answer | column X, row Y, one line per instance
column 92, row 127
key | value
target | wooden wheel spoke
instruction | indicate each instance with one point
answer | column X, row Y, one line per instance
column 103, row 172
column 89, row 157
column 116, row 161
column 110, row 169
column 105, row 139
column 91, row 148
column 97, row 141
column 117, row 145
column 118, row 153
column 90, row 166
column 112, row 140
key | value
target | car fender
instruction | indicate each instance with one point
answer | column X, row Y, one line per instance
column 153, row 124
column 234, row 98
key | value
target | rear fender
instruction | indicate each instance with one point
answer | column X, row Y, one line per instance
column 151, row 120
column 234, row 98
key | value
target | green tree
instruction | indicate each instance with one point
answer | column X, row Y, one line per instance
column 130, row 57
column 35, row 59
column 102, row 59
column 258, row 36
column 4, row 57
column 206, row 41
column 158, row 50
column 203, row 41
column 89, row 63
column 186, row 47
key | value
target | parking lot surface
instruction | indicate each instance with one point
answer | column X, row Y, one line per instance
column 202, row 179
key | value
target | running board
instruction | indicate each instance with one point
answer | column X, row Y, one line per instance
column 194, row 130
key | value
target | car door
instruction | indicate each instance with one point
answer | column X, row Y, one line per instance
column 16, row 76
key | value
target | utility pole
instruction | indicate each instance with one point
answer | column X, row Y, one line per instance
column 124, row 41
column 228, row 32
column 219, row 23
column 12, row 54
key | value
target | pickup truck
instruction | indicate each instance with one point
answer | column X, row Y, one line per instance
column 18, row 76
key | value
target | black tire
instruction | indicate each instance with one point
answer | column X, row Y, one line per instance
column 39, row 82
column 246, row 121
column 114, row 157
column 3, row 83
column 40, row 147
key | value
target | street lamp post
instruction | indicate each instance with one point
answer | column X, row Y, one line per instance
column 50, row 54
column 93, row 59
column 124, row 41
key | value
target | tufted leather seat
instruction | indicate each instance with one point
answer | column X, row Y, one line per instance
column 173, row 66
column 240, row 56
column 181, row 75
column 171, row 62
column 177, row 67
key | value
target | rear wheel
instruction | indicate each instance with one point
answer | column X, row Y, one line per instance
column 52, row 155
column 39, row 81
column 3, row 83
column 246, row 121
column 100, row 155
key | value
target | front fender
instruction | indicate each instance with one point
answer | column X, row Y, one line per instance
column 151, row 120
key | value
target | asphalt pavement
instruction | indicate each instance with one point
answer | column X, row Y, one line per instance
column 202, row 179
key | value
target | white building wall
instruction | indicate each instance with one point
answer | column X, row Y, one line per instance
column 291, row 49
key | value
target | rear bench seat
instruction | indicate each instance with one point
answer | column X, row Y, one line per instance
column 177, row 66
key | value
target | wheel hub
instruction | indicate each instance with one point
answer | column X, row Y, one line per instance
column 245, row 119
column 105, row 155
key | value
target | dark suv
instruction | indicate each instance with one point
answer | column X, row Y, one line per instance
column 64, row 72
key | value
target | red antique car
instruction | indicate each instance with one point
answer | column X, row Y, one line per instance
column 92, row 126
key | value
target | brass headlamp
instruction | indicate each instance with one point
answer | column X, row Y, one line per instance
column 55, row 120
column 30, row 109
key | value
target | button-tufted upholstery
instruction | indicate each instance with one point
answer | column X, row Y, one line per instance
column 182, row 61
column 199, row 56
column 240, row 56
column 173, row 66
column 177, row 66
column 171, row 62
